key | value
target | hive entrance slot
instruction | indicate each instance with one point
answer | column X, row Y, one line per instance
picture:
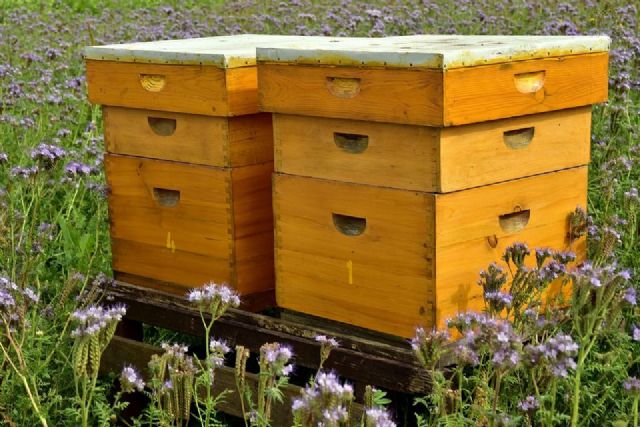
column 162, row 126
column 165, row 197
column 349, row 225
column 514, row 221
column 351, row 143
column 518, row 138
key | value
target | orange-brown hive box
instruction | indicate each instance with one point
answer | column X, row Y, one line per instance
column 408, row 165
column 189, row 161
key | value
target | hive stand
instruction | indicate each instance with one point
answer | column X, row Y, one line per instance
column 363, row 358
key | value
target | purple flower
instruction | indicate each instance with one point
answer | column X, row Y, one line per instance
column 275, row 357
column 3, row 157
column 516, row 253
column 557, row 353
column 493, row 278
column 489, row 337
column 324, row 340
column 24, row 172
column 130, row 380
column 429, row 345
column 632, row 385
column 75, row 168
column 14, row 301
column 378, row 417
column 214, row 293
column 542, row 254
column 47, row 154
column 564, row 257
column 630, row 295
column 95, row 319
column 498, row 300
column 635, row 333
column 324, row 402
column 552, row 271
column 632, row 194
column 218, row 350
column 529, row 404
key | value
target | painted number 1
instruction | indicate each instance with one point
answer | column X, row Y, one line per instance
column 350, row 271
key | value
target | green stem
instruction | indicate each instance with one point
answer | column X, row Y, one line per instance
column 576, row 394
column 496, row 396
column 634, row 410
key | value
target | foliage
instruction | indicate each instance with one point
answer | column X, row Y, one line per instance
column 54, row 232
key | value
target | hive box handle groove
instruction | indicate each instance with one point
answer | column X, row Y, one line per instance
column 529, row 82
column 351, row 143
column 153, row 82
column 518, row 138
column 349, row 225
column 165, row 197
column 343, row 87
column 514, row 221
column 162, row 126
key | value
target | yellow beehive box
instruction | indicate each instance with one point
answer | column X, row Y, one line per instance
column 433, row 80
column 431, row 159
column 391, row 260
column 190, row 161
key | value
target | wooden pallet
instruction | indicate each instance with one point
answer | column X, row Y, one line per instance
column 364, row 357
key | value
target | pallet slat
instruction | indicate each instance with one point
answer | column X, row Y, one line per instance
column 386, row 364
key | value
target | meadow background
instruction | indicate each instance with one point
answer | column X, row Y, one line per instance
column 53, row 212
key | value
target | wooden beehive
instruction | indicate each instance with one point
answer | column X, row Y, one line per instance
column 189, row 161
column 408, row 165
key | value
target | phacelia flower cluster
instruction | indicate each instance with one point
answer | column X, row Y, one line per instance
column 131, row 380
column 47, row 154
column 378, row 417
column 485, row 337
column 218, row 349
column 557, row 354
column 214, row 298
column 94, row 319
column 326, row 402
column 275, row 357
column 429, row 346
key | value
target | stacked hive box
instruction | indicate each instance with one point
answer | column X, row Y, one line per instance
column 189, row 161
column 406, row 166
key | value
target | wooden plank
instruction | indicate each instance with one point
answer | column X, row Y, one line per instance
column 378, row 363
column 250, row 140
column 380, row 278
column 184, row 270
column 466, row 221
column 395, row 96
column 253, row 228
column 254, row 303
column 242, row 90
column 482, row 93
column 125, row 351
column 486, row 153
column 382, row 154
column 191, row 89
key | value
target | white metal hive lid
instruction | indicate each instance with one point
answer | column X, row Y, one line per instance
column 222, row 51
column 430, row 51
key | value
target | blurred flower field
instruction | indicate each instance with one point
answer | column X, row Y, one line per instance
column 54, row 241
